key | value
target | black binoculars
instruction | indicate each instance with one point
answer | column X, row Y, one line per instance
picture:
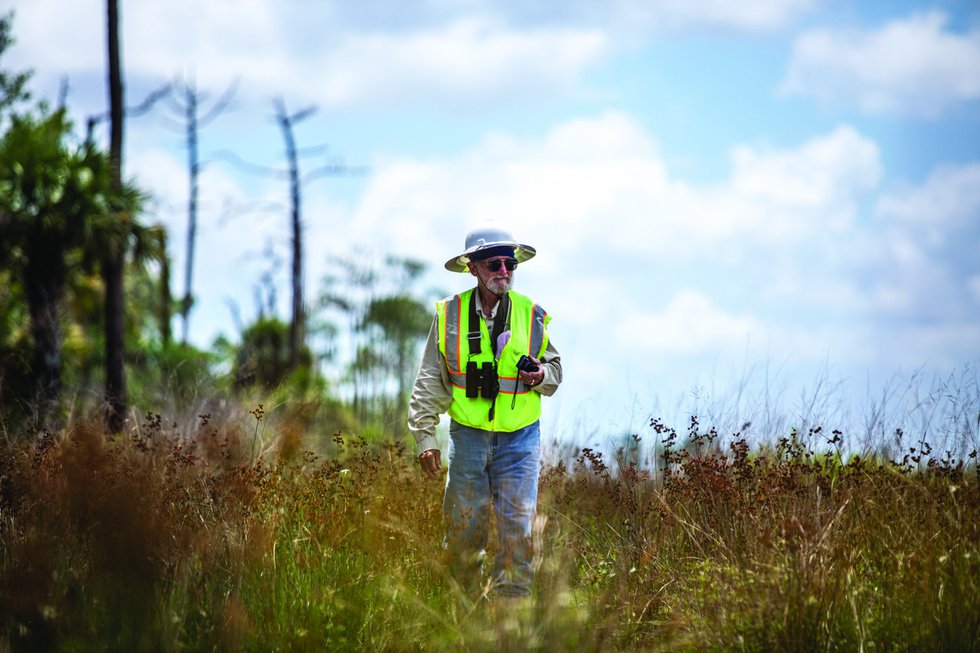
column 481, row 380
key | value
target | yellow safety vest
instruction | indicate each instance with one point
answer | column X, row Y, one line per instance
column 516, row 405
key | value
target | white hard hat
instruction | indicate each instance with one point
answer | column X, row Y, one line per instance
column 484, row 238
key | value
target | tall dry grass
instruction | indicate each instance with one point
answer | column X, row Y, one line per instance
column 230, row 536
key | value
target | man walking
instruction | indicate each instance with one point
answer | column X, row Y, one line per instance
column 487, row 362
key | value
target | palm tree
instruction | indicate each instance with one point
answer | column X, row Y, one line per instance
column 57, row 204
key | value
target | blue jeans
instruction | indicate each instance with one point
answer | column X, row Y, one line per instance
column 499, row 470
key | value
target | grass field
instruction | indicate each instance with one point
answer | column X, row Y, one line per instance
column 234, row 537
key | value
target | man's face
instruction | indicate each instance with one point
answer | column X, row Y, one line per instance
column 496, row 281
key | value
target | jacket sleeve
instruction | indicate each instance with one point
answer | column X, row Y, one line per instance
column 432, row 393
column 551, row 362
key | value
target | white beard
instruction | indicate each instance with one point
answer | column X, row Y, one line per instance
column 500, row 286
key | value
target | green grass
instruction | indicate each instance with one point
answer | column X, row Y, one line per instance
column 186, row 541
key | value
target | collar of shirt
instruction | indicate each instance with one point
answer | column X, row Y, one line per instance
column 479, row 307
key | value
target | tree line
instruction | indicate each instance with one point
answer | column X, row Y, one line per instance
column 85, row 281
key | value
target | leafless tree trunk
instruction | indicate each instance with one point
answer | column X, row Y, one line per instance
column 166, row 300
column 194, row 169
column 188, row 101
column 297, row 325
column 113, row 258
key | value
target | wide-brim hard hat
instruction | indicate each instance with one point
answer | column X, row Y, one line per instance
column 483, row 238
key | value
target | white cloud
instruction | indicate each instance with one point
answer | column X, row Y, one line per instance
column 77, row 29
column 748, row 15
column 913, row 66
column 805, row 191
column 453, row 54
column 973, row 285
column 302, row 54
column 928, row 246
column 823, row 171
column 690, row 324
column 628, row 17
column 580, row 182
column 160, row 174
column 461, row 63
column 300, row 50
column 600, row 186
column 950, row 196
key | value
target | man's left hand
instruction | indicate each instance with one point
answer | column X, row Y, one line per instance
column 532, row 379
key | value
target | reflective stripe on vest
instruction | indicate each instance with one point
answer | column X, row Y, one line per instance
column 453, row 342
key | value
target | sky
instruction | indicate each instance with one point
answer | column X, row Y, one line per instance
column 761, row 211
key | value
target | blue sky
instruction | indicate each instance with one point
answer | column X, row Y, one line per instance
column 770, row 206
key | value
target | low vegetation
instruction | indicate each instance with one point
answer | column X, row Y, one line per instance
column 232, row 536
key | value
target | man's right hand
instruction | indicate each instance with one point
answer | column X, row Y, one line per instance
column 431, row 461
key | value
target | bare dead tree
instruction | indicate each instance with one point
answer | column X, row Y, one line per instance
column 188, row 101
column 297, row 325
column 166, row 299
column 287, row 122
column 113, row 256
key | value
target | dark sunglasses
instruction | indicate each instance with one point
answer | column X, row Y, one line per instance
column 494, row 264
